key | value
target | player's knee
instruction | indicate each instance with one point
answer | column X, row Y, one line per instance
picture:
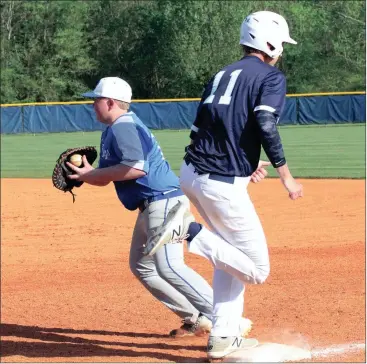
column 260, row 279
column 262, row 275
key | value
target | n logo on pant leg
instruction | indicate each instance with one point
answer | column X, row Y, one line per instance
column 176, row 234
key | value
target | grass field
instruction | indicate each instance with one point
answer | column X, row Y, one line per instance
column 333, row 151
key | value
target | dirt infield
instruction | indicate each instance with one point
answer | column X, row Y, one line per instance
column 67, row 294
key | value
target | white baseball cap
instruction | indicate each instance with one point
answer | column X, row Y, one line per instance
column 112, row 88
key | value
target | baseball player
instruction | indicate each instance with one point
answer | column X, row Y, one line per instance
column 131, row 158
column 238, row 114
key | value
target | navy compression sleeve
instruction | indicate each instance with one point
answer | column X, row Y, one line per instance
column 270, row 138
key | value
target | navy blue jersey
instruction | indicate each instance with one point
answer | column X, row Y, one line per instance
column 226, row 137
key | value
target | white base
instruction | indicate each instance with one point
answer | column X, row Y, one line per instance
column 269, row 353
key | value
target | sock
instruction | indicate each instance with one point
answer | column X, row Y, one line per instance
column 193, row 230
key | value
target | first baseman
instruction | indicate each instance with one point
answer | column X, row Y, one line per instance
column 238, row 114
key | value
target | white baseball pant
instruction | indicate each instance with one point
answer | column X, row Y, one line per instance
column 236, row 246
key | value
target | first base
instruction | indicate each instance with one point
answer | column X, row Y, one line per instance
column 268, row 353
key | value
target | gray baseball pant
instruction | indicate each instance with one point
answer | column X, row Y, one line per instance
column 165, row 274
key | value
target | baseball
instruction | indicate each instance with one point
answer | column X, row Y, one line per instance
column 76, row 160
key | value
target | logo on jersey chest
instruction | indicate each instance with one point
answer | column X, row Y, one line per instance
column 105, row 152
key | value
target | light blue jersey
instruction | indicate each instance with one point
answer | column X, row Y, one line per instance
column 128, row 141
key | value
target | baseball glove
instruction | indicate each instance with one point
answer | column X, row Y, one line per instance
column 61, row 171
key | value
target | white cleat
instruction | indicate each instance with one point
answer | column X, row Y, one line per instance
column 173, row 230
column 219, row 347
column 203, row 325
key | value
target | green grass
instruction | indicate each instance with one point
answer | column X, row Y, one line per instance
column 333, row 151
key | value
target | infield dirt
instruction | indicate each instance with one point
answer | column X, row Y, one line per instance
column 68, row 295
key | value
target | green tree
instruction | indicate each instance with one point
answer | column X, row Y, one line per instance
column 44, row 50
column 54, row 50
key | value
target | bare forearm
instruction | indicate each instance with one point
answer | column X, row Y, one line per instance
column 103, row 176
column 284, row 172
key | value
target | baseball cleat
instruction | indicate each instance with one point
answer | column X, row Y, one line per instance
column 201, row 327
column 219, row 347
column 173, row 230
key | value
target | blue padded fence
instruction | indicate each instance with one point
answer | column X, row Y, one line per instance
column 332, row 109
column 174, row 115
column 11, row 120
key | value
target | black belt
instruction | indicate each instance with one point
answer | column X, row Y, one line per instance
column 163, row 196
column 215, row 177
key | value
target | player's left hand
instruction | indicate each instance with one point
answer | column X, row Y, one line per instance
column 260, row 172
column 80, row 172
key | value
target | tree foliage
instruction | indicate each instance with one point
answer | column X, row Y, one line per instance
column 55, row 50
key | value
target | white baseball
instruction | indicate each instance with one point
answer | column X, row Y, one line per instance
column 76, row 160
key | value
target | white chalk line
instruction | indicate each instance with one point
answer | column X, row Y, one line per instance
column 337, row 350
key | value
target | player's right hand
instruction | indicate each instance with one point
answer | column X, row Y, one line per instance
column 295, row 189
column 260, row 172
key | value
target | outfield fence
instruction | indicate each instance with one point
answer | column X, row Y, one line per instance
column 53, row 117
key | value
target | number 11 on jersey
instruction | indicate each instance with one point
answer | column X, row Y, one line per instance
column 225, row 99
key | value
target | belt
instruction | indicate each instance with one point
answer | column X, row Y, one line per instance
column 225, row 179
column 215, row 177
column 163, row 196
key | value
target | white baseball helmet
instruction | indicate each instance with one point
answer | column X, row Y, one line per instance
column 264, row 28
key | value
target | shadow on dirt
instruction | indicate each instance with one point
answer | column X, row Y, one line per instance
column 55, row 344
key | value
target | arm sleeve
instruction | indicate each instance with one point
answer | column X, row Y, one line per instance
column 130, row 146
column 268, row 108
